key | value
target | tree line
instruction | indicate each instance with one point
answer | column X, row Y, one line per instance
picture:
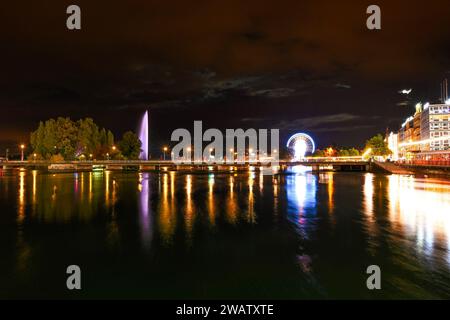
column 64, row 139
column 377, row 144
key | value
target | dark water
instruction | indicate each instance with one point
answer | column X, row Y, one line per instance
column 176, row 235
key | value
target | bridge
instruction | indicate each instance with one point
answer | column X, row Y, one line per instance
column 316, row 164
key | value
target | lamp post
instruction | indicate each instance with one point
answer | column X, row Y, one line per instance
column 22, row 147
column 164, row 153
column 113, row 151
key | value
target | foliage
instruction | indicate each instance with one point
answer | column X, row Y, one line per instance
column 378, row 145
column 352, row 152
column 56, row 158
column 318, row 153
column 130, row 145
column 343, row 153
column 71, row 140
column 34, row 156
column 331, row 152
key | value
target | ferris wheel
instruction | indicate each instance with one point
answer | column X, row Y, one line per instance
column 301, row 144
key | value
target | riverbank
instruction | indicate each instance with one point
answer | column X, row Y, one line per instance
column 404, row 169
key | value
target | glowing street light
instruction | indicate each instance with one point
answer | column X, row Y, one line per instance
column 164, row 153
column 22, row 148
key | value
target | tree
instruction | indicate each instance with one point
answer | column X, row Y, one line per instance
column 330, row 152
column 130, row 145
column 353, row 152
column 88, row 137
column 343, row 153
column 43, row 140
column 378, row 145
column 71, row 139
column 318, row 153
column 37, row 139
column 66, row 137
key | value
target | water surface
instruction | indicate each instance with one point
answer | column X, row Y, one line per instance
column 173, row 235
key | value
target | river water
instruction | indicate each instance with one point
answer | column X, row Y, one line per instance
column 176, row 235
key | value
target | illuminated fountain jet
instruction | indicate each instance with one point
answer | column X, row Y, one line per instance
column 143, row 136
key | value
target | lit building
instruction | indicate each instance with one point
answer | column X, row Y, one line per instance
column 436, row 126
column 392, row 141
column 424, row 138
column 426, row 131
column 409, row 133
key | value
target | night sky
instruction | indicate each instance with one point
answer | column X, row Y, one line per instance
column 309, row 66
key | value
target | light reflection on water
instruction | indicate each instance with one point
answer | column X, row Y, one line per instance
column 301, row 196
column 421, row 209
column 145, row 216
column 372, row 212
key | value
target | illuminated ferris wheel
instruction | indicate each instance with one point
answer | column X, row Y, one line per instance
column 301, row 144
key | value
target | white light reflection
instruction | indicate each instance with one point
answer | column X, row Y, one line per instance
column 301, row 194
column 421, row 208
column 144, row 210
column 368, row 194
column 21, row 206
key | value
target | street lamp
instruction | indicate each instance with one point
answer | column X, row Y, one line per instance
column 22, row 148
column 164, row 153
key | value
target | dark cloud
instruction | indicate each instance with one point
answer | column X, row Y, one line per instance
column 221, row 61
column 343, row 86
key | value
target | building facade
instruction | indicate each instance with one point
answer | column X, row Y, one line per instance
column 428, row 130
column 436, row 127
